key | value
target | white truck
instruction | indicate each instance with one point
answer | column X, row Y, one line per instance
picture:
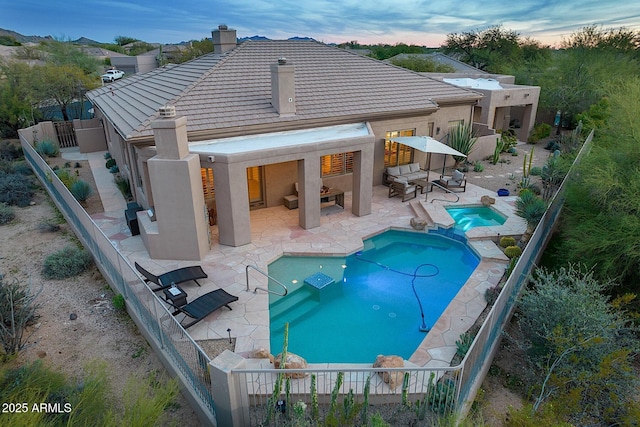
column 112, row 75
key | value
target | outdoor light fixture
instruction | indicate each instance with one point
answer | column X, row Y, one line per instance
column 229, row 332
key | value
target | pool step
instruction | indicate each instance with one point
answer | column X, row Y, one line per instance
column 289, row 301
column 421, row 212
column 293, row 312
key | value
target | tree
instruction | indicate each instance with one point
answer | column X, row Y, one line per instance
column 66, row 53
column 123, row 40
column 601, row 222
column 422, row 65
column 17, row 98
column 492, row 49
column 62, row 84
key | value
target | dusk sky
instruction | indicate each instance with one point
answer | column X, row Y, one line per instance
column 418, row 22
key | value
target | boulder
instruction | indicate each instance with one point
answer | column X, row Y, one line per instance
column 487, row 200
column 261, row 353
column 395, row 378
column 293, row 361
column 418, row 223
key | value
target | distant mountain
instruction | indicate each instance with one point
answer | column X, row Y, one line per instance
column 23, row 39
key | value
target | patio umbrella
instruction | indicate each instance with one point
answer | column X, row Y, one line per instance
column 428, row 145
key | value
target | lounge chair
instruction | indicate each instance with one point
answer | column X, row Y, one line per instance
column 399, row 187
column 177, row 276
column 456, row 181
column 203, row 306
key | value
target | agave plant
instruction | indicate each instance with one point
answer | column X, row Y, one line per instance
column 531, row 208
column 462, row 138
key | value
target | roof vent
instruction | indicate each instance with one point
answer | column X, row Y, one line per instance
column 167, row 111
column 282, row 61
column 223, row 27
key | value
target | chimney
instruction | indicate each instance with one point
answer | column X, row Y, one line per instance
column 283, row 91
column 224, row 39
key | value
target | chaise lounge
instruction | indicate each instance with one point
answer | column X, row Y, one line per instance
column 180, row 275
column 203, row 306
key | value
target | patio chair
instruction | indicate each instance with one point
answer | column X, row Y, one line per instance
column 203, row 306
column 456, row 181
column 177, row 276
column 402, row 188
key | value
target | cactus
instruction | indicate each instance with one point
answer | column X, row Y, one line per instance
column 513, row 251
column 506, row 241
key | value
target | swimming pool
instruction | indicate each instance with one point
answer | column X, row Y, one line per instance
column 467, row 217
column 374, row 304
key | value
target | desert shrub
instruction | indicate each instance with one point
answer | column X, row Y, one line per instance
column 81, row 190
column 77, row 165
column 65, row 176
column 47, row 148
column 22, row 168
column 124, row 187
column 67, row 262
column 6, row 214
column 15, row 189
column 9, row 151
column 507, row 241
column 48, row 227
column 114, row 169
column 110, row 163
column 107, row 155
column 540, row 131
column 536, row 171
column 17, row 311
column 513, row 251
column 492, row 293
column 509, row 140
column 478, row 167
column 580, row 345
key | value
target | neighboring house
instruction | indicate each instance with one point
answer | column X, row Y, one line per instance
column 504, row 105
column 257, row 118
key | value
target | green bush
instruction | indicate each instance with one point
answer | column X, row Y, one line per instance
column 67, row 262
column 124, row 187
column 540, row 131
column 118, row 302
column 531, row 208
column 47, row 148
column 507, row 241
column 114, row 169
column 21, row 167
column 513, row 251
column 107, row 155
column 535, row 171
column 110, row 163
column 15, row 189
column 81, row 190
column 478, row 167
column 6, row 214
column 66, row 177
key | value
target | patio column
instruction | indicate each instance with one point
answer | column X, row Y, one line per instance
column 309, row 192
column 232, row 203
column 362, row 181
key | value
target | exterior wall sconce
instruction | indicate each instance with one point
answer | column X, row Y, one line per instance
column 526, row 95
column 507, row 96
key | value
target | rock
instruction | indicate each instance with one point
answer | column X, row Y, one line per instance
column 393, row 379
column 73, row 316
column 41, row 354
column 32, row 203
column 293, row 361
column 261, row 353
column 487, row 200
column 418, row 223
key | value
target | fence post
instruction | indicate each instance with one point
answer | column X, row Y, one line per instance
column 229, row 391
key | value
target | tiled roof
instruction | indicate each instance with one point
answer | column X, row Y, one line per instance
column 218, row 92
column 441, row 58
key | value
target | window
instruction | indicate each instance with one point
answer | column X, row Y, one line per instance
column 207, row 183
column 397, row 154
column 337, row 164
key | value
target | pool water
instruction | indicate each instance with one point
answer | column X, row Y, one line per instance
column 475, row 216
column 371, row 307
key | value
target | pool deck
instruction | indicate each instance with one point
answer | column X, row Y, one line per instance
column 275, row 231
